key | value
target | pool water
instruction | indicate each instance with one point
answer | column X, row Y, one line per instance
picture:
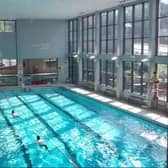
column 79, row 132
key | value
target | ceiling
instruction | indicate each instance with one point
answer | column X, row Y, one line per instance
column 52, row 9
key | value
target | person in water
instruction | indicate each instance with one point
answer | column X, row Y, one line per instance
column 14, row 114
column 41, row 142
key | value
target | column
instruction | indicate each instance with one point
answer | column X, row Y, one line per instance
column 119, row 61
column 152, row 46
column 97, row 44
column 80, row 49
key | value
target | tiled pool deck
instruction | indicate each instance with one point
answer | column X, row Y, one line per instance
column 154, row 115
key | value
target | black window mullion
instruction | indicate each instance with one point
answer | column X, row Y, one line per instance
column 133, row 22
column 87, row 33
column 124, row 37
column 114, row 12
column 167, row 83
column 113, row 74
column 123, row 75
column 68, row 36
column 93, row 27
column 100, row 45
column 141, row 79
column 72, row 36
column 93, row 70
column 107, row 16
column 132, row 77
column 142, row 32
column 106, row 73
column 82, row 35
column 76, row 35
column 87, row 74
column 100, row 71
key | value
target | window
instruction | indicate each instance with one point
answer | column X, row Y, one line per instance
column 163, row 28
column 108, row 73
column 88, row 34
column 8, row 72
column 88, row 70
column 135, row 77
column 163, row 79
column 73, row 70
column 108, row 32
column 73, row 36
column 136, row 29
column 7, row 26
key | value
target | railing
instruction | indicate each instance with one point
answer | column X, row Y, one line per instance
column 8, row 80
column 41, row 78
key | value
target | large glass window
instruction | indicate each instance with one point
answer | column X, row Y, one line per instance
column 73, row 69
column 136, row 29
column 163, row 28
column 73, row 36
column 108, row 73
column 8, row 72
column 88, row 70
column 88, row 34
column 163, row 79
column 7, row 26
column 40, row 71
column 108, row 32
column 135, row 77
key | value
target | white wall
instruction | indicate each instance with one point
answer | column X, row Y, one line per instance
column 41, row 38
column 7, row 45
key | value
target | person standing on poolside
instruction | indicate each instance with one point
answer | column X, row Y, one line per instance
column 155, row 83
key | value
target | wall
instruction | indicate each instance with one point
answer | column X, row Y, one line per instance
column 36, row 39
column 7, row 45
column 41, row 38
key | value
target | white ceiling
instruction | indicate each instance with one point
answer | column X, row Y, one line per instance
column 57, row 9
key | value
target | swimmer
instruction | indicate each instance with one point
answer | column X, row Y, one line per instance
column 41, row 142
column 14, row 114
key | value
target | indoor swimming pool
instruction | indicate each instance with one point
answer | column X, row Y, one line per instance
column 79, row 132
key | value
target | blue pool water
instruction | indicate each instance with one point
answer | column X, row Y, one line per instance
column 79, row 132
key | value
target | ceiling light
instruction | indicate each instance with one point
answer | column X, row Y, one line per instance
column 75, row 56
column 145, row 60
column 114, row 58
column 92, row 57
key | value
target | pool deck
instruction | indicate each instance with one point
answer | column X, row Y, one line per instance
column 158, row 117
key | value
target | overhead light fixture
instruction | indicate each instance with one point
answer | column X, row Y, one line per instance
column 75, row 56
column 124, row 1
column 114, row 58
column 145, row 60
column 92, row 57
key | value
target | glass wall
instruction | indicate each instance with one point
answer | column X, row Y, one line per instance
column 136, row 29
column 40, row 71
column 7, row 26
column 73, row 70
column 109, row 32
column 163, row 28
column 108, row 73
column 8, row 63
column 73, row 36
column 88, row 70
column 73, row 50
column 88, row 34
column 135, row 34
column 135, row 77
column 8, row 72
